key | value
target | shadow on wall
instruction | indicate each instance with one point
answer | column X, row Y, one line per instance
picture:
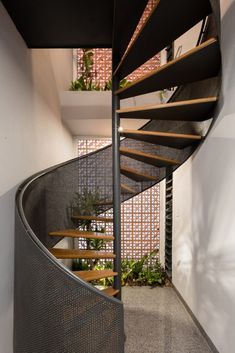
column 209, row 274
column 44, row 84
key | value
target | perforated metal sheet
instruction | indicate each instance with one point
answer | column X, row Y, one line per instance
column 56, row 312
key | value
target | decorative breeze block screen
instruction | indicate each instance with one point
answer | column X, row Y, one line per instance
column 140, row 214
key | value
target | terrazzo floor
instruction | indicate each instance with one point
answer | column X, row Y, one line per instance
column 157, row 322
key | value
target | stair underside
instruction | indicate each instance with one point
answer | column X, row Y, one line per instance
column 125, row 23
column 162, row 138
column 93, row 218
column 110, row 291
column 200, row 63
column 127, row 190
column 181, row 15
column 190, row 110
column 148, row 158
column 197, row 64
column 80, row 254
column 136, row 175
column 95, row 274
column 72, row 233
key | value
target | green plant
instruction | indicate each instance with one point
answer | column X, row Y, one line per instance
column 123, row 83
column 87, row 204
column 80, row 265
column 108, row 85
column 85, row 81
column 108, row 281
column 152, row 276
column 146, row 271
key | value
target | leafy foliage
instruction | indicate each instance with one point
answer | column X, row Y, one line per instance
column 80, row 265
column 123, row 83
column 108, row 281
column 108, row 86
column 85, row 81
column 146, row 271
column 87, row 204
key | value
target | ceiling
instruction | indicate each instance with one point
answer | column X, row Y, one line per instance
column 63, row 23
column 76, row 23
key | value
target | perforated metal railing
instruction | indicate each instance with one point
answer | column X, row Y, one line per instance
column 55, row 311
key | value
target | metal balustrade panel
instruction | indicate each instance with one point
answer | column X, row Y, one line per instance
column 56, row 312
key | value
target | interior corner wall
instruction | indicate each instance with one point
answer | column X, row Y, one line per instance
column 203, row 213
column 62, row 65
column 32, row 137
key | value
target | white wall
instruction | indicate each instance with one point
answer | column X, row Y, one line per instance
column 204, row 221
column 62, row 65
column 32, row 137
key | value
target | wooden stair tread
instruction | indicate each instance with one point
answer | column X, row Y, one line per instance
column 80, row 254
column 94, row 274
column 197, row 64
column 162, row 138
column 127, row 190
column 136, row 175
column 93, row 218
column 156, row 33
column 189, row 110
column 110, row 291
column 148, row 158
column 73, row 233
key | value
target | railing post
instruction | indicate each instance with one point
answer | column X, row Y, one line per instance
column 116, row 187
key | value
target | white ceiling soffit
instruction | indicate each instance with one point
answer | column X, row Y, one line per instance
column 86, row 105
column 89, row 113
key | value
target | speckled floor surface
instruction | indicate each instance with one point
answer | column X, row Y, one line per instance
column 157, row 322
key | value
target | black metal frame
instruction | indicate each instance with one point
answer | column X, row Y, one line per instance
column 116, row 186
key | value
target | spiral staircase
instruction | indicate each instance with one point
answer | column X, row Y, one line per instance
column 57, row 310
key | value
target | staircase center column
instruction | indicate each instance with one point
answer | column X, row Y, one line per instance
column 116, row 186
